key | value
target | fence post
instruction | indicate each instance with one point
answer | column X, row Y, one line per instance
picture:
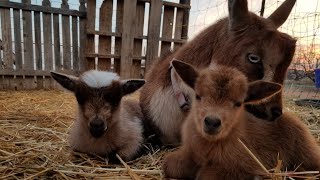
column 185, row 22
column 82, row 31
column 153, row 32
column 90, row 30
column 128, row 28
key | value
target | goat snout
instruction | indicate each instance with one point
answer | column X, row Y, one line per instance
column 97, row 127
column 212, row 125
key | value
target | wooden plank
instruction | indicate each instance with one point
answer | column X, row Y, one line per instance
column 128, row 29
column 56, row 41
column 153, row 32
column 75, row 46
column 185, row 22
column 37, row 34
column 172, row 4
column 82, row 28
column 27, row 38
column 29, row 82
column 47, row 44
column 106, row 10
column 19, row 82
column 66, row 42
column 83, row 36
column 37, row 8
column 137, row 45
column 66, row 37
column 47, row 41
column 17, row 39
column 90, row 46
column 40, row 82
column 7, row 61
column 167, row 28
column 20, row 72
column 118, row 41
column 178, row 28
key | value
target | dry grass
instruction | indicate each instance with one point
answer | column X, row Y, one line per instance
column 34, row 128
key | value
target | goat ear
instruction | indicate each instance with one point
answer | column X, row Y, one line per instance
column 238, row 13
column 259, row 90
column 67, row 81
column 131, row 85
column 280, row 15
column 187, row 73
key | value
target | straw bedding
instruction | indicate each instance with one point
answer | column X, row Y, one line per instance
column 34, row 128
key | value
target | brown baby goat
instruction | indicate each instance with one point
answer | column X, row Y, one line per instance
column 105, row 123
column 217, row 120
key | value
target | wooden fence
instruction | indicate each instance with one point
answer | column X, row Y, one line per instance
column 36, row 39
column 123, row 49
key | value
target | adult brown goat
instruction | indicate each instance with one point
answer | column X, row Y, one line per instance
column 243, row 40
column 217, row 119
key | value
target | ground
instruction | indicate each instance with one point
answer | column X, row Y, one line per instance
column 34, row 128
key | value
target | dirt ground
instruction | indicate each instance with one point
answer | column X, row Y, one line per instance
column 34, row 127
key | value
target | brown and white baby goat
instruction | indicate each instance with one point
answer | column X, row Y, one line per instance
column 105, row 123
column 217, row 119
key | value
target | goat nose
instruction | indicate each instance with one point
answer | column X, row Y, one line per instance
column 212, row 123
column 96, row 123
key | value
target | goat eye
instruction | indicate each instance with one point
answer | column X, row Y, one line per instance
column 198, row 98
column 237, row 104
column 253, row 58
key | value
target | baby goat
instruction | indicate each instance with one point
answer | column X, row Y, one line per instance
column 217, row 119
column 105, row 123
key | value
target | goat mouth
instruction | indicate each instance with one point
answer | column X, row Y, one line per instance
column 214, row 131
column 97, row 132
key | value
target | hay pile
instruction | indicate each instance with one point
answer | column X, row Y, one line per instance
column 34, row 128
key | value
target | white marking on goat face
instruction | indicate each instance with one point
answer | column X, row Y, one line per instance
column 98, row 79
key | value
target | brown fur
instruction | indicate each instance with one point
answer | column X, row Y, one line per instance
column 106, row 124
column 226, row 42
column 124, row 134
column 220, row 155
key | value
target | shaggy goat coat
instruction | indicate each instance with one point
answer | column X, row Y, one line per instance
column 221, row 95
column 106, row 123
column 243, row 40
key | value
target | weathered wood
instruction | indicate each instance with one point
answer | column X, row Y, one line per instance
column 118, row 41
column 27, row 34
column 172, row 4
column 40, row 82
column 185, row 22
column 178, row 28
column 56, row 41
column 19, row 82
column 82, row 31
column 17, row 39
column 48, row 54
column 29, row 7
column 47, row 41
column 128, row 29
column 37, row 34
column 20, row 72
column 30, row 82
column 90, row 46
column 137, row 46
column 105, row 41
column 75, row 46
column 153, row 32
column 66, row 37
column 167, row 28
column 82, row 28
column 7, row 61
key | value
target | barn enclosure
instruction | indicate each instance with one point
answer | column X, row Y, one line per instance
column 119, row 35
